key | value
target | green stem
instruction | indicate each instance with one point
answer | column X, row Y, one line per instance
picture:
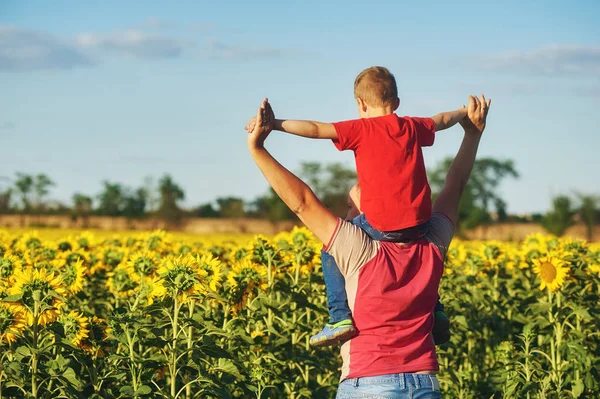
column 34, row 357
column 188, row 389
column 132, row 367
column 174, row 348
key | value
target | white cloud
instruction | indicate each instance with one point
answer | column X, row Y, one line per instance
column 549, row 60
column 220, row 50
column 133, row 43
column 26, row 50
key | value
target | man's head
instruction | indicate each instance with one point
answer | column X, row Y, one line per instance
column 376, row 92
column 353, row 202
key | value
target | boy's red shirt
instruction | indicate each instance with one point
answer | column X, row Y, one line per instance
column 395, row 193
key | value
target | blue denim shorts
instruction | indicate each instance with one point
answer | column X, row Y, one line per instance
column 391, row 386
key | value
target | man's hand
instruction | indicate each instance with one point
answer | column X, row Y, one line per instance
column 261, row 126
column 477, row 112
column 250, row 126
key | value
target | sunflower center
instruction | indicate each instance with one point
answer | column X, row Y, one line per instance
column 69, row 275
column 6, row 268
column 6, row 320
column 65, row 246
column 547, row 272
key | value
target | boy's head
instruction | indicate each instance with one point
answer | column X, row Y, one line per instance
column 376, row 92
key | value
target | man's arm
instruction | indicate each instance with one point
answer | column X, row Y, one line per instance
column 460, row 170
column 293, row 191
column 446, row 120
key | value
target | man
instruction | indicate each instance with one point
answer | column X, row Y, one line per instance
column 392, row 287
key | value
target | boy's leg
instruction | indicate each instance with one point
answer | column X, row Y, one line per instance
column 441, row 325
column 340, row 325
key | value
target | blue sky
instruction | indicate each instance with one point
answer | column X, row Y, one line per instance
column 113, row 90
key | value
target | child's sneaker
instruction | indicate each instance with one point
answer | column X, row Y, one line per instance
column 441, row 328
column 333, row 333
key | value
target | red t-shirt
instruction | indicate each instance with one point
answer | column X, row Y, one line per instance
column 392, row 290
column 395, row 193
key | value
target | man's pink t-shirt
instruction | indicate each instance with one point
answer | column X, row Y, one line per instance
column 395, row 193
column 392, row 291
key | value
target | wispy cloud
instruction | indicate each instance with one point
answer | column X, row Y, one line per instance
column 549, row 60
column 133, row 43
column 7, row 125
column 216, row 49
column 27, row 50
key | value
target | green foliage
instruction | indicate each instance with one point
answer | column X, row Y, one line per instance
column 560, row 218
column 481, row 191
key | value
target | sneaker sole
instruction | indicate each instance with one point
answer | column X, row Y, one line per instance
column 335, row 339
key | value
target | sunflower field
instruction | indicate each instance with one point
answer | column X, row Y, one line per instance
column 154, row 315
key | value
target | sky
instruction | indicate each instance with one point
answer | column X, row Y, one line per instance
column 121, row 90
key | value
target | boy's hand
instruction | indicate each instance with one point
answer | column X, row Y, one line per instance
column 476, row 114
column 250, row 126
column 262, row 126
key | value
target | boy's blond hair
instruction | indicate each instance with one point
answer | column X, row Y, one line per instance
column 376, row 86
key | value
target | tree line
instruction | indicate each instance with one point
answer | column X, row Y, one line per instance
column 481, row 204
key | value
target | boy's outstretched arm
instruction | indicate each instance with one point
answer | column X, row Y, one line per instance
column 310, row 129
column 446, row 120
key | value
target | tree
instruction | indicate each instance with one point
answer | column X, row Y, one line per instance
column 41, row 187
column 480, row 192
column 588, row 212
column 560, row 218
column 24, row 186
column 134, row 204
column 270, row 206
column 170, row 194
column 330, row 183
column 82, row 207
column 5, row 197
column 206, row 211
column 111, row 199
column 231, row 207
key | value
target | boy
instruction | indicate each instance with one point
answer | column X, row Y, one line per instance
column 395, row 194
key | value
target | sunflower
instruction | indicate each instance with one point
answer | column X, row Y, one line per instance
column 143, row 264
column 76, row 327
column 245, row 279
column 67, row 244
column 29, row 241
column 551, row 270
column 85, row 241
column 213, row 269
column 158, row 241
column 71, row 275
column 149, row 290
column 30, row 281
column 12, row 322
column 182, row 277
column 121, row 283
column 8, row 265
column 96, row 342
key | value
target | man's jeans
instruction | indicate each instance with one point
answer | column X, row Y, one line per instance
column 393, row 386
column 337, row 300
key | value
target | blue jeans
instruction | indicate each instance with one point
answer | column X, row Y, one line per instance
column 391, row 386
column 337, row 299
